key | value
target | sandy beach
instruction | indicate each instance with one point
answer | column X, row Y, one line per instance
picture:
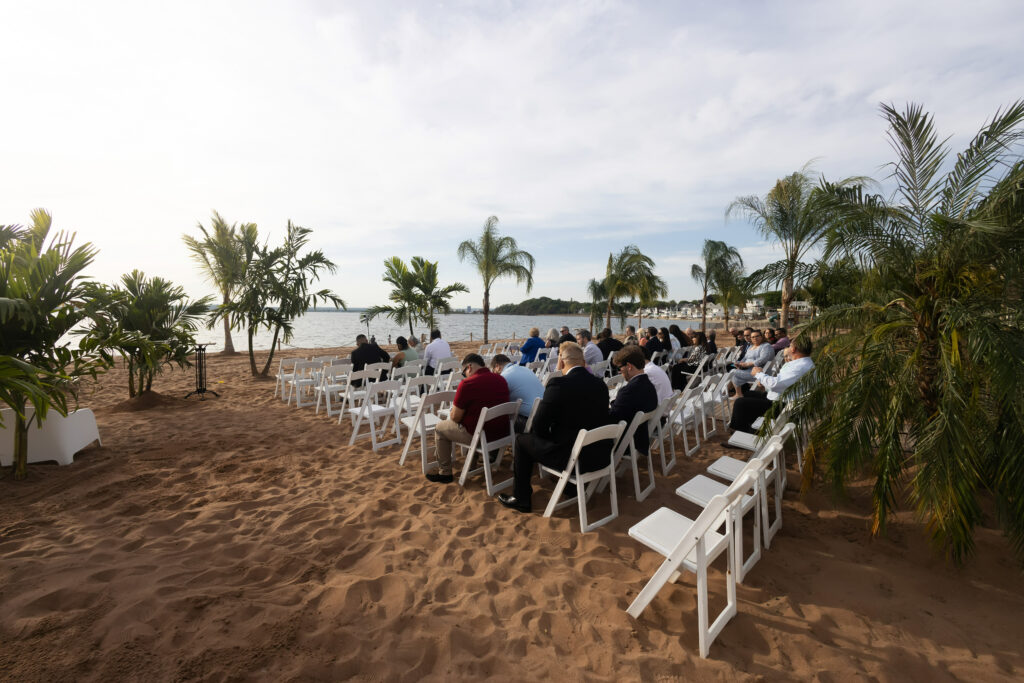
column 239, row 538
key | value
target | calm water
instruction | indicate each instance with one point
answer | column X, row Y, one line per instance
column 327, row 329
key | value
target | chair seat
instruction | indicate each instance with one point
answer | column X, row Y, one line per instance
column 701, row 490
column 758, row 422
column 429, row 421
column 743, row 440
column 374, row 410
column 664, row 528
column 727, row 467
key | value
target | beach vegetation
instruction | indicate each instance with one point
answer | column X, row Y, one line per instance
column 629, row 275
column 405, row 303
column 719, row 259
column 540, row 306
column 731, row 287
column 433, row 298
column 277, row 288
column 919, row 376
column 221, row 255
column 149, row 321
column 42, row 286
column 497, row 256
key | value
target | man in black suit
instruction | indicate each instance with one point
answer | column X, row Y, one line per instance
column 367, row 353
column 576, row 400
column 608, row 343
column 567, row 336
column 637, row 394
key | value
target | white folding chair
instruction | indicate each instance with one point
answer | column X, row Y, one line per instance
column 413, row 392
column 572, row 475
column 447, row 364
column 484, row 448
column 751, row 441
column 533, row 414
column 354, row 394
column 701, row 489
column 600, row 369
column 423, row 423
column 661, row 436
column 285, row 372
column 685, row 414
column 404, row 373
column 380, row 404
column 626, row 451
column 380, row 367
column 305, row 377
column 333, row 380
column 692, row 545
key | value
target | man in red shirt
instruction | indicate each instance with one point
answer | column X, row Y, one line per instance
column 480, row 389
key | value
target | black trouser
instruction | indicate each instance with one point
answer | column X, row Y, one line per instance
column 746, row 410
column 681, row 373
column 531, row 450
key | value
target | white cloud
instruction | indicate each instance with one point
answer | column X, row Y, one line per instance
column 398, row 128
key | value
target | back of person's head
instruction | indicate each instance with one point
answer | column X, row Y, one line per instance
column 780, row 332
column 631, row 354
column 630, row 331
column 553, row 335
column 413, row 341
column 647, row 351
column 360, row 339
column 652, row 331
column 570, row 353
column 711, row 335
column 435, row 334
column 802, row 345
column 534, row 332
column 747, row 330
column 664, row 333
column 700, row 340
column 584, row 334
column 402, row 343
column 473, row 359
column 500, row 361
column 606, row 333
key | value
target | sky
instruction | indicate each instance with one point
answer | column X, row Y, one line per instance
column 397, row 128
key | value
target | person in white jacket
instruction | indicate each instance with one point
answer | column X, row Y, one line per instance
column 756, row 403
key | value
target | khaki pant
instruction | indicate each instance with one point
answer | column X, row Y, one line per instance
column 445, row 433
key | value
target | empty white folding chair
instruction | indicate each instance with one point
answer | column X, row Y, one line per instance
column 355, row 389
column 305, row 377
column 413, row 391
column 535, row 366
column 423, row 423
column 445, row 365
column 728, row 468
column 707, row 389
column 480, row 445
column 701, row 489
column 381, row 367
column 601, row 368
column 323, row 359
column 587, row 482
column 692, row 545
column 716, row 397
column 285, row 372
column 333, row 380
column 550, row 376
column 661, row 435
column 614, row 383
column 378, row 411
column 626, row 454
column 485, row 349
column 404, row 373
column 684, row 415
column 420, row 363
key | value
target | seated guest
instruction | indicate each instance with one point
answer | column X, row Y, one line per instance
column 551, row 339
column 404, row 354
column 479, row 389
column 769, row 335
column 668, row 340
column 567, row 336
column 522, row 384
column 682, row 371
column 531, row 346
column 680, row 337
column 782, row 341
column 591, row 354
column 436, row 350
column 576, row 400
column 746, row 409
column 608, row 343
column 659, row 378
column 365, row 353
column 653, row 343
column 630, row 331
column 414, row 344
column 642, row 338
column 637, row 394
column 758, row 355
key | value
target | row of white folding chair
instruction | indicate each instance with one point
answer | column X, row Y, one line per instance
column 302, row 381
column 750, row 441
column 692, row 545
column 380, row 403
column 601, row 369
column 480, row 445
column 285, row 372
column 701, row 489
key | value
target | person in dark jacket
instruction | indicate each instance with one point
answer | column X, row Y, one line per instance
column 636, row 395
column 365, row 353
column 608, row 343
column 576, row 400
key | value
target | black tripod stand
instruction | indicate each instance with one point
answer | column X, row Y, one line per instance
column 201, row 374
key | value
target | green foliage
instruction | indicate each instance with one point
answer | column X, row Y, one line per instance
column 720, row 262
column 918, row 381
column 772, row 299
column 630, row 275
column 276, row 288
column 416, row 294
column 540, row 306
column 41, row 290
column 835, row 283
column 496, row 256
column 149, row 321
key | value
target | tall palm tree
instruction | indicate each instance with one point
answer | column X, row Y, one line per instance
column 630, row 275
column 433, row 297
column 406, row 301
column 598, row 299
column 41, row 301
column 919, row 382
column 497, row 256
column 719, row 258
column 795, row 214
column 221, row 255
column 731, row 287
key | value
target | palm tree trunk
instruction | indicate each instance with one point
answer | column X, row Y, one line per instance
column 20, row 465
column 608, row 314
column 487, row 310
column 229, row 345
column 639, row 318
column 131, row 379
column 704, row 312
column 270, row 358
column 787, row 297
column 410, row 328
column 252, row 355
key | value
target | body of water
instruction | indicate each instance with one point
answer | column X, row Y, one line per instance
column 324, row 329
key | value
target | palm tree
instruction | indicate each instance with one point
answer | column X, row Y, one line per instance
column 497, row 256
column 433, row 297
column 795, row 214
column 220, row 254
column 598, row 298
column 731, row 287
column 41, row 297
column 919, row 381
column 719, row 258
column 405, row 298
column 630, row 274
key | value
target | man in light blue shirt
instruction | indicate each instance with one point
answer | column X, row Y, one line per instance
column 522, row 383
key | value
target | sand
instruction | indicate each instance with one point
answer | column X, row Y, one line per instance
column 241, row 539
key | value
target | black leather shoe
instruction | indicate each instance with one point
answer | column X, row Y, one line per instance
column 440, row 478
column 514, row 503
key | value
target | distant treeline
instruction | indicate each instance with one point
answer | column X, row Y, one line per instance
column 541, row 306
